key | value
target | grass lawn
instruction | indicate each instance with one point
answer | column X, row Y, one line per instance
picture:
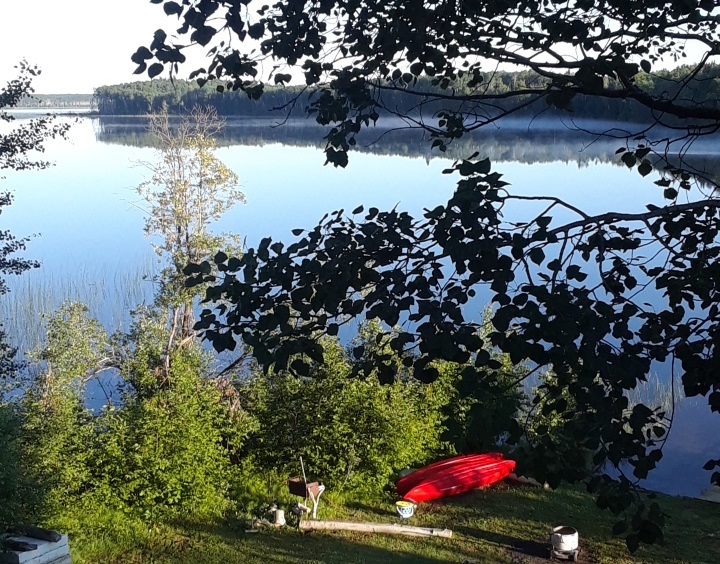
column 488, row 526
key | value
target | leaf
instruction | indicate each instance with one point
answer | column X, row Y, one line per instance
column 619, row 527
column 172, row 8
column 155, row 69
column 300, row 367
column 645, row 65
column 281, row 78
column 223, row 341
column 141, row 55
column 537, row 255
column 574, row 273
column 645, row 168
column 629, row 159
column 710, row 464
column 543, row 221
column 256, row 31
column 554, row 265
column 203, row 35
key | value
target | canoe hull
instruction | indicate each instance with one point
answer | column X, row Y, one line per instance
column 454, row 476
column 406, row 483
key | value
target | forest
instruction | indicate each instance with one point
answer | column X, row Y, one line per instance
column 143, row 97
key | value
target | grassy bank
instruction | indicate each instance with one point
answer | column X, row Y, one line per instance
column 502, row 524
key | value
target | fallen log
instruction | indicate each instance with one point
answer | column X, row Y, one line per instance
column 376, row 528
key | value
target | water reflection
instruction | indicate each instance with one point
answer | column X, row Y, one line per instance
column 539, row 141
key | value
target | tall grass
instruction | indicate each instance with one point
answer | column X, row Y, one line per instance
column 658, row 391
column 111, row 295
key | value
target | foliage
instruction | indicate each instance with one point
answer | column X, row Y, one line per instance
column 544, row 421
column 167, row 449
column 75, row 348
column 598, row 49
column 16, row 490
column 57, row 433
column 387, row 266
column 177, row 96
column 352, row 433
column 189, row 189
column 480, row 412
column 163, row 453
column 18, row 144
column 139, row 98
column 57, row 438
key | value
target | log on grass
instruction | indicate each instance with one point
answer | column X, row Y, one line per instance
column 376, row 528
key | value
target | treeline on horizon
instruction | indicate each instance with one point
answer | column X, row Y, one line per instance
column 178, row 96
column 56, row 101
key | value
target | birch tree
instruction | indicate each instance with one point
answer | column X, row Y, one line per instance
column 189, row 190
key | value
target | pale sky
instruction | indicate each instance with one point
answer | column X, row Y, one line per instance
column 78, row 44
column 83, row 44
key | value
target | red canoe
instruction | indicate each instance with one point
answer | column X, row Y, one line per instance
column 454, row 476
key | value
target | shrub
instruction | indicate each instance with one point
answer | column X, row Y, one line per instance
column 57, row 433
column 165, row 451
column 352, row 433
column 482, row 406
column 15, row 489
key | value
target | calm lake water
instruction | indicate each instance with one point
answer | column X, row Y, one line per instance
column 87, row 224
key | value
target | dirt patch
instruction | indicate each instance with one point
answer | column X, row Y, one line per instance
column 531, row 552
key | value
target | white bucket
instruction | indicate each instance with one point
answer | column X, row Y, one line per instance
column 280, row 518
column 405, row 509
column 564, row 539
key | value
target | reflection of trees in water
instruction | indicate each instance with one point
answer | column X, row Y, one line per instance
column 518, row 143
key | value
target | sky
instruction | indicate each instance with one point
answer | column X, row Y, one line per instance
column 81, row 44
column 78, row 44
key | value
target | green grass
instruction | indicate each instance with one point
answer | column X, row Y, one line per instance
column 486, row 525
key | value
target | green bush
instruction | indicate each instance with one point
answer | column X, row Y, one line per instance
column 482, row 406
column 57, row 433
column 352, row 433
column 58, row 436
column 165, row 451
column 14, row 486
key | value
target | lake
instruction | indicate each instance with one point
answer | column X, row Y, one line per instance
column 86, row 221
